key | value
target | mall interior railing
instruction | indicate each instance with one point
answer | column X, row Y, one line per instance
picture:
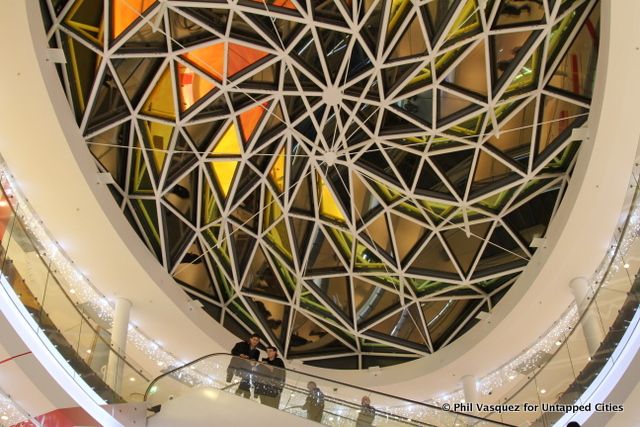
column 74, row 329
column 341, row 402
column 562, row 377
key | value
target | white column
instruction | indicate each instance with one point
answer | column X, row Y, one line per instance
column 591, row 328
column 119, row 329
column 470, row 389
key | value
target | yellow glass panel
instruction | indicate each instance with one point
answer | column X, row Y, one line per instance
column 224, row 172
column 160, row 101
column 229, row 144
column 192, row 86
column 124, row 12
column 328, row 205
column 210, row 209
column 277, row 171
column 159, row 139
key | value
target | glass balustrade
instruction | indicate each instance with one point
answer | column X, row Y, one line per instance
column 564, row 374
column 293, row 392
column 80, row 336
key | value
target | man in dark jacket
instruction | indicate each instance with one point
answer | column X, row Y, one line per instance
column 367, row 413
column 241, row 365
column 314, row 403
column 270, row 378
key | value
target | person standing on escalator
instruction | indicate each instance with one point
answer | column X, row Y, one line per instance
column 244, row 352
column 269, row 378
column 314, row 403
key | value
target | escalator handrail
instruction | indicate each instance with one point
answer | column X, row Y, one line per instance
column 293, row 371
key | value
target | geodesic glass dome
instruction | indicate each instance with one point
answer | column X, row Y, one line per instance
column 356, row 180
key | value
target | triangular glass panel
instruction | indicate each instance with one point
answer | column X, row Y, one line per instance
column 438, row 14
column 150, row 37
column 250, row 119
column 444, row 61
column 246, row 210
column 470, row 75
column 329, row 12
column 359, row 63
column 202, row 134
column 157, row 138
column 465, row 248
column 501, row 253
column 125, row 13
column 135, row 75
column 400, row 122
column 557, row 119
column 224, row 171
column 467, row 23
column 527, row 77
column 279, row 239
column 393, row 76
column 216, row 107
column 434, row 260
column 456, row 167
column 430, row 184
column 243, row 30
column 108, row 106
column 452, row 106
column 490, row 173
column 334, row 45
column 85, row 18
column 309, row 336
column 562, row 161
column 275, row 318
column 208, row 59
column 140, row 181
column 404, row 327
column 213, row 17
column 111, row 149
column 561, row 31
column 513, row 140
column 419, row 106
column 443, row 317
column 82, row 65
column 372, row 30
column 530, row 219
column 412, row 42
column 575, row 73
column 336, row 293
column 180, row 195
column 242, row 245
column 147, row 213
column 301, row 230
column 322, row 257
column 241, row 57
column 364, row 200
column 377, row 232
column 177, row 235
column 185, row 32
column 160, row 102
column 515, row 14
column 507, row 49
column 182, row 158
column 302, row 195
column 192, row 270
column 371, row 301
column 192, row 87
column 228, row 143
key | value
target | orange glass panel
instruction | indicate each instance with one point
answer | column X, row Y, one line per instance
column 124, row 12
column 192, row 86
column 280, row 3
column 250, row 118
column 160, row 101
column 240, row 57
column 209, row 59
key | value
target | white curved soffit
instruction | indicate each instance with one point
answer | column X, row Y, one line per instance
column 59, row 178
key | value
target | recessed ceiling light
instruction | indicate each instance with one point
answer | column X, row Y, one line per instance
column 160, row 363
column 543, row 391
column 558, row 343
column 72, row 291
column 88, row 350
column 626, row 265
column 4, row 418
column 132, row 379
column 511, row 377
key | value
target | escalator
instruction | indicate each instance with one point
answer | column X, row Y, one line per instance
column 206, row 392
